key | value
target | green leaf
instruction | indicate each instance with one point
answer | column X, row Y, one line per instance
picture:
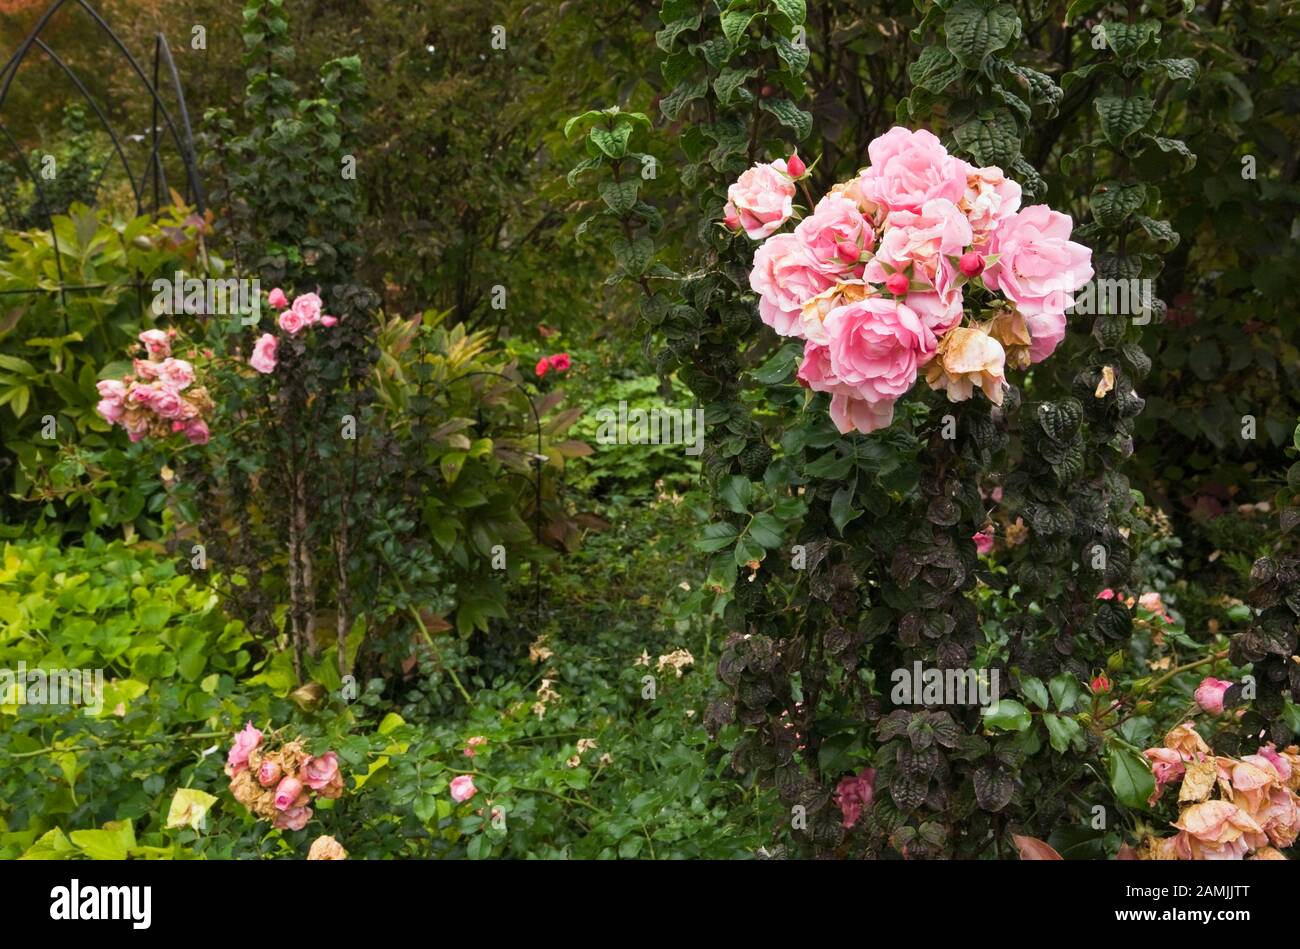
column 843, row 510
column 1175, row 68
column 796, row 11
column 634, row 257
column 716, row 537
column 736, row 493
column 991, row 140
column 1062, row 732
column 1124, row 39
column 1114, row 203
column 1008, row 715
column 1130, row 778
column 1065, row 691
column 731, row 81
column 667, row 37
column 620, row 196
column 1034, row 690
column 735, row 23
column 672, row 104
column 789, row 115
column 974, row 30
column 1121, row 116
column 778, row 369
column 935, row 69
column 613, row 142
column 767, row 530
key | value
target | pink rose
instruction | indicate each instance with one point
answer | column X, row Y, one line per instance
column 144, row 395
column 561, row 362
column 762, row 199
column 1151, row 602
column 157, row 343
column 853, row 793
column 286, row 792
column 910, row 168
column 308, row 308
column 836, row 236
column 849, row 411
column 876, row 346
column 175, row 373
column 1167, row 765
column 785, row 277
column 111, row 409
column 1038, row 269
column 291, row 321
column 293, row 818
column 462, row 788
column 144, row 370
column 472, row 744
column 1209, row 694
column 245, row 742
column 112, row 389
column 983, row 541
column 277, row 299
column 168, row 404
column 263, row 358
column 990, row 197
column 921, row 240
column 318, row 772
column 1279, row 763
column 196, row 430
column 268, row 773
column 1106, row 594
column 328, row 320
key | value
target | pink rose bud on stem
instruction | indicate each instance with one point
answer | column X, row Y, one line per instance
column 277, row 299
column 972, row 264
column 1209, row 694
column 849, row 253
column 897, row 284
column 796, row 167
column 286, row 792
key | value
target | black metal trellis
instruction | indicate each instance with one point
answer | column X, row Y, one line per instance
column 153, row 171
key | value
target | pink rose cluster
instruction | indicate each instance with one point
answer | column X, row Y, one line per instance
column 874, row 280
column 158, row 398
column 1229, row 808
column 305, row 311
column 278, row 784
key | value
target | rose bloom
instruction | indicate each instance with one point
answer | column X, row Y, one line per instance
column 145, row 370
column 990, row 197
column 157, row 343
column 268, row 774
column 968, row 357
column 293, row 818
column 543, row 367
column 1009, row 329
column 853, row 793
column 560, row 362
column 1216, row 829
column 308, row 307
column 462, row 788
column 111, row 409
column 320, row 771
column 245, row 742
column 263, row 358
column 983, row 541
column 1167, row 766
column 291, row 321
column 761, row 200
column 920, row 239
column 326, row 848
column 175, row 373
column 876, row 346
column 836, row 230
column 1038, row 268
column 1152, row 603
column 849, row 411
column 1209, row 694
column 817, row 308
column 277, row 299
column 196, row 430
column 910, row 168
column 785, row 277
column 168, row 404
column 1280, row 764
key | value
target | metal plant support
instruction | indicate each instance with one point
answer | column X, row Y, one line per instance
column 151, row 178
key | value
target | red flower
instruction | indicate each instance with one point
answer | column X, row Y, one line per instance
column 560, row 362
column 1100, row 685
column 543, row 365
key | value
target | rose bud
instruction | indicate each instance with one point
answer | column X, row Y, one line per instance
column 897, row 284
column 849, row 253
column 287, row 792
column 1100, row 685
column 795, row 166
column 972, row 264
column 1209, row 694
column 268, row 774
column 277, row 299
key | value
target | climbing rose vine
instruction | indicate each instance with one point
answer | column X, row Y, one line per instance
column 922, row 265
